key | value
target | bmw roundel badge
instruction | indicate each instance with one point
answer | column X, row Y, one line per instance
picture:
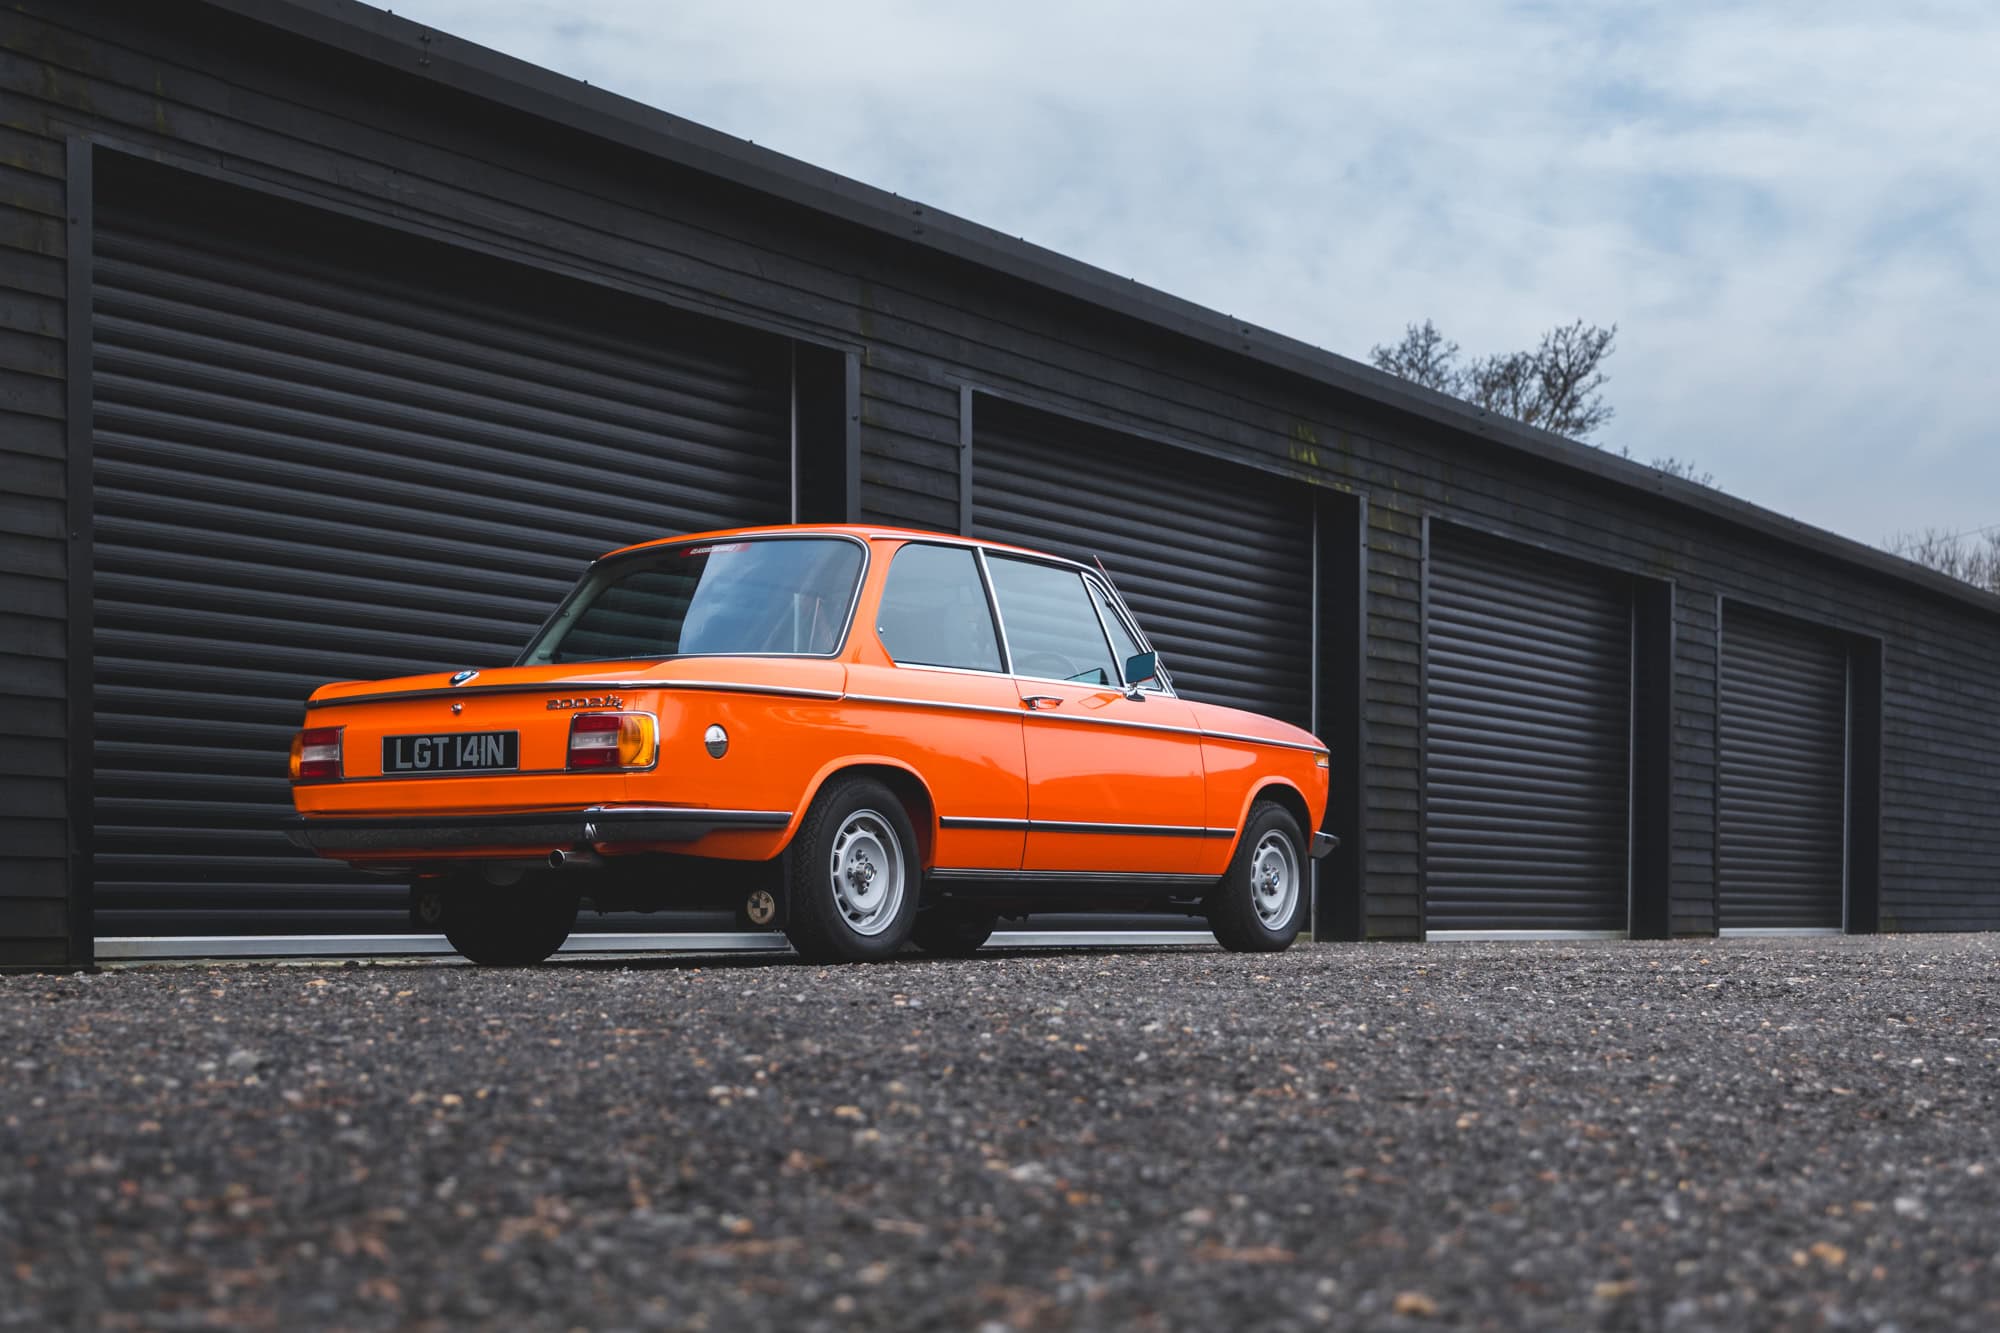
column 459, row 678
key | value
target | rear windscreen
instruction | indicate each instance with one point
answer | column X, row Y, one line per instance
column 759, row 595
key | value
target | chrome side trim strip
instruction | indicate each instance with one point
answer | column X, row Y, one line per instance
column 945, row 704
column 1064, row 826
column 1264, row 740
column 1077, row 719
column 1130, row 830
column 773, row 816
column 562, row 687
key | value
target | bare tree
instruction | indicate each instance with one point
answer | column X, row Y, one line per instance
column 1425, row 357
column 1558, row 386
column 1973, row 557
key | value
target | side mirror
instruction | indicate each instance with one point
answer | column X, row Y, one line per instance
column 1142, row 667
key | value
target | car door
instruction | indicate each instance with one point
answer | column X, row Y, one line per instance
column 942, row 702
column 1115, row 782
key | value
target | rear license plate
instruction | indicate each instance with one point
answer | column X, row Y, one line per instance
column 452, row 752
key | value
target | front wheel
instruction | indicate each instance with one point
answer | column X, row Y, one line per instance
column 1262, row 901
column 853, row 880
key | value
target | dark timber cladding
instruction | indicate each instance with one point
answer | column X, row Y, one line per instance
column 1781, row 774
column 888, row 313
column 324, row 452
column 1528, row 680
column 1216, row 560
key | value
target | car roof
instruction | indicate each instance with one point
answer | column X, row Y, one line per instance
column 864, row 531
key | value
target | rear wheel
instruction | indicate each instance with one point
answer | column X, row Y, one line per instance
column 952, row 931
column 502, row 926
column 853, row 882
column 1261, row 903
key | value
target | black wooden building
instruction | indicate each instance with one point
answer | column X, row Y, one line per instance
column 332, row 346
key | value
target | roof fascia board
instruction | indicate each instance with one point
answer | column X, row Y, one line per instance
column 452, row 62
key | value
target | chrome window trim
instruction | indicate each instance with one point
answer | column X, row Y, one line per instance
column 999, row 618
column 1113, row 603
column 950, row 670
column 992, row 609
column 1132, row 622
column 1073, row 567
column 654, row 548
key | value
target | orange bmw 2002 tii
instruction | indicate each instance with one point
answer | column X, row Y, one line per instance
column 864, row 736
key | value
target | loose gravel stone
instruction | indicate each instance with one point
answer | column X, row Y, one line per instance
column 1707, row 1134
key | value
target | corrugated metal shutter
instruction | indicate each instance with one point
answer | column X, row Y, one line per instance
column 1215, row 560
column 1527, row 741
column 1782, row 768
column 324, row 451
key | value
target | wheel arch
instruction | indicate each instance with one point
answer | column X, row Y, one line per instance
column 901, row 779
column 1281, row 793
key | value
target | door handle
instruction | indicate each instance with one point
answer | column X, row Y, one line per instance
column 1036, row 702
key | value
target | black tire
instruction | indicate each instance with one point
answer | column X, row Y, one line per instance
column 512, row 926
column 1244, row 913
column 852, row 920
column 953, row 931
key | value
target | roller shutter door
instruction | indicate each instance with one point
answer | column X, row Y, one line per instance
column 324, row 451
column 1216, row 560
column 1782, row 770
column 1527, row 741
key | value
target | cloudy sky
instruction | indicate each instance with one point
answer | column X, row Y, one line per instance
column 1791, row 210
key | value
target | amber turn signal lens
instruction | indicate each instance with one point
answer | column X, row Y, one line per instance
column 316, row 754
column 613, row 740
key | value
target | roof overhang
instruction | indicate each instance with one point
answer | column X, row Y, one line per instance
column 476, row 71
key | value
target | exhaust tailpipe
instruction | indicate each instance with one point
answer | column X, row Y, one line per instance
column 576, row 858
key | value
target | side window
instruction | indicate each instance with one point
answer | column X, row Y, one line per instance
column 1052, row 630
column 934, row 610
column 1123, row 645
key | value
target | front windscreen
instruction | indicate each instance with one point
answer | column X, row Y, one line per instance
column 769, row 595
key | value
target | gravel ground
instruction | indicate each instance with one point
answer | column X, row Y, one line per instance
column 1734, row 1134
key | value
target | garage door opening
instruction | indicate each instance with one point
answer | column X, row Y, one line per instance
column 328, row 450
column 1528, row 742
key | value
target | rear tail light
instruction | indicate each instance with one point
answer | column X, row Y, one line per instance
column 613, row 740
column 316, row 754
